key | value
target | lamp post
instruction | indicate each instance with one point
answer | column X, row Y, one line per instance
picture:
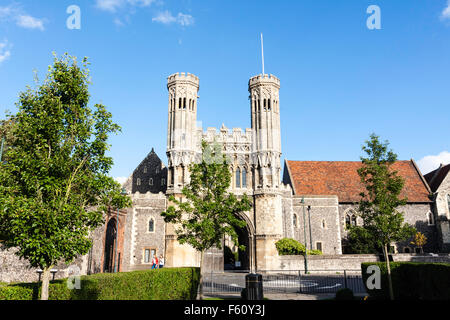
column 123, row 192
column 310, row 234
column 304, row 233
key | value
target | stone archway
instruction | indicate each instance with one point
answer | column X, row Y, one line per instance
column 110, row 244
column 245, row 257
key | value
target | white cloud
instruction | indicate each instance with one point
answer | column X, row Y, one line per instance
column 446, row 12
column 121, row 180
column 109, row 5
column 167, row 18
column 30, row 22
column 113, row 5
column 432, row 162
column 5, row 52
column 14, row 12
column 185, row 19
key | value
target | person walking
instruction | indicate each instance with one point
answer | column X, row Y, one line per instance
column 161, row 262
column 153, row 262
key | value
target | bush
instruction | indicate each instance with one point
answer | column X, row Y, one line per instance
column 163, row 284
column 344, row 294
column 412, row 280
column 288, row 246
column 314, row 252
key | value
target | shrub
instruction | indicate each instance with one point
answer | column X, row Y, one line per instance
column 288, row 246
column 344, row 294
column 314, row 252
column 163, row 284
column 412, row 280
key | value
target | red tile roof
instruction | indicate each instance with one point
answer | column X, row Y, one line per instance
column 341, row 178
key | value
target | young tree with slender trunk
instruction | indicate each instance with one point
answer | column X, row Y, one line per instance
column 54, row 183
column 209, row 211
column 380, row 202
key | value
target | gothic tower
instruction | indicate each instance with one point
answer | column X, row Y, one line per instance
column 266, row 154
column 181, row 141
column 264, row 104
column 182, row 147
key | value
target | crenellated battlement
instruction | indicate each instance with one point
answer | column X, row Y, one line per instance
column 182, row 76
column 264, row 79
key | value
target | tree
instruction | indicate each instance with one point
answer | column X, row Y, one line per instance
column 419, row 241
column 360, row 241
column 380, row 202
column 209, row 211
column 54, row 186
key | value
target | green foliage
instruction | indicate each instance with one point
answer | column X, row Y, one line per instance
column 412, row 280
column 209, row 210
column 288, row 246
column 315, row 252
column 344, row 294
column 379, row 204
column 360, row 241
column 54, row 185
column 161, row 284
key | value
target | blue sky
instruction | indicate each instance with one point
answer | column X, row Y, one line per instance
column 340, row 81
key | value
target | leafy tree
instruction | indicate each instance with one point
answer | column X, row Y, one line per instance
column 209, row 210
column 54, row 186
column 360, row 241
column 419, row 241
column 380, row 202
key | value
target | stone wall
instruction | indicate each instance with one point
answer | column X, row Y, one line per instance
column 324, row 218
column 349, row 261
column 138, row 238
column 15, row 269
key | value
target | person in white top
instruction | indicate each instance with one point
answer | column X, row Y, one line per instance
column 161, row 262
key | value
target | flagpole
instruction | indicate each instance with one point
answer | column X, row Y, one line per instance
column 262, row 52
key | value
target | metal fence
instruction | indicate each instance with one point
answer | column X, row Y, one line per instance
column 280, row 281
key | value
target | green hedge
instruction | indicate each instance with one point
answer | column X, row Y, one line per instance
column 160, row 284
column 412, row 280
column 289, row 246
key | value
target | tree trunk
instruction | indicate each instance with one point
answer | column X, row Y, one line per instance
column 45, row 282
column 200, row 292
column 388, row 266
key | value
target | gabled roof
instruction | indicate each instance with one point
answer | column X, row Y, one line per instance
column 435, row 177
column 341, row 178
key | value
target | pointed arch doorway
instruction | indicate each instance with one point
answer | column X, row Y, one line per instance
column 110, row 244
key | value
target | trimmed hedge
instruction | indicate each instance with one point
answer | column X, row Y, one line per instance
column 412, row 280
column 289, row 246
column 160, row 284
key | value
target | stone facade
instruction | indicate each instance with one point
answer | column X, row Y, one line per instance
column 279, row 206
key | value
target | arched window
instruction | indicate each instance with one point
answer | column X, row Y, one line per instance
column 150, row 182
column 184, row 103
column 138, row 181
column 238, row 178
column 430, row 218
column 448, row 203
column 294, row 220
column 151, row 225
column 350, row 218
column 324, row 224
column 180, row 101
column 244, row 178
column 407, row 250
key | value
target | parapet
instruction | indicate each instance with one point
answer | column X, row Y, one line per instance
column 184, row 77
column 264, row 79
